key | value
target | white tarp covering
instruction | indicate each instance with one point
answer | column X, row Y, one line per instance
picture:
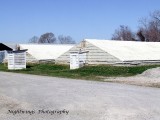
column 45, row 51
column 129, row 50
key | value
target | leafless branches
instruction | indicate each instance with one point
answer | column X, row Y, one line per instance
column 123, row 33
column 50, row 38
column 149, row 30
column 65, row 40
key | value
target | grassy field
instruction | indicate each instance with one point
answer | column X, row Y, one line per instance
column 87, row 72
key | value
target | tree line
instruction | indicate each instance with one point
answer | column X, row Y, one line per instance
column 148, row 30
column 50, row 38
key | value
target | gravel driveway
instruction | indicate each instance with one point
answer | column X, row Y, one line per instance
column 31, row 97
column 150, row 77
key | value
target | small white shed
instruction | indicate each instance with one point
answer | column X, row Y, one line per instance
column 17, row 59
column 77, row 60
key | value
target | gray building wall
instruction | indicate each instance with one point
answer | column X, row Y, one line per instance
column 3, row 56
column 94, row 56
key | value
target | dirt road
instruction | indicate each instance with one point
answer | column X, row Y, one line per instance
column 31, row 97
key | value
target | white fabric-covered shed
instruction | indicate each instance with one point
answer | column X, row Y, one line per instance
column 44, row 52
column 117, row 52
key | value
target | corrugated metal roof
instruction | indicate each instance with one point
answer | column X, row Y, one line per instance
column 45, row 51
column 129, row 50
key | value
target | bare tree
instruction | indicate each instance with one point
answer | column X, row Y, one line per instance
column 65, row 40
column 47, row 38
column 141, row 36
column 156, row 15
column 123, row 33
column 150, row 28
column 34, row 39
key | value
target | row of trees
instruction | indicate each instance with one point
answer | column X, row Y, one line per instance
column 50, row 38
column 149, row 30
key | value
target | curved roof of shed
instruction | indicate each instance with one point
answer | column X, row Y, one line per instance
column 45, row 51
column 129, row 50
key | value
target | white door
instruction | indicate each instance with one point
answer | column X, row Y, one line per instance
column 74, row 61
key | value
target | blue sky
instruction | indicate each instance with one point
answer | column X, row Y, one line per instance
column 96, row 19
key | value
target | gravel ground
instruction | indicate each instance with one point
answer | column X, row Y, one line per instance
column 83, row 100
column 150, row 78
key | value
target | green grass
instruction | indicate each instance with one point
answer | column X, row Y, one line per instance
column 3, row 67
column 87, row 72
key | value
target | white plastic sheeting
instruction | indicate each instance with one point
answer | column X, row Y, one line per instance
column 129, row 50
column 45, row 51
